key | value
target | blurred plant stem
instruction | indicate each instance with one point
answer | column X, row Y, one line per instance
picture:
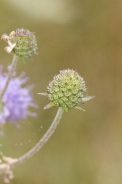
column 10, row 75
column 43, row 140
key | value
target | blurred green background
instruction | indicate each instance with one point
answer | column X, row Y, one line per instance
column 84, row 35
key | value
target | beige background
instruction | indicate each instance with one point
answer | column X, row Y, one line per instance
column 85, row 36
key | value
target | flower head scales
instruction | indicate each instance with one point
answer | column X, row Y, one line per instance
column 67, row 90
column 21, row 42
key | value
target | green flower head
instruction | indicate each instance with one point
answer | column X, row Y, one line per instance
column 21, row 42
column 67, row 90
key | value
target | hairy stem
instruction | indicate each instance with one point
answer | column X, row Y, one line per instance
column 10, row 75
column 43, row 140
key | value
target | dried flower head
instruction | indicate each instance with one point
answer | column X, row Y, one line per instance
column 16, row 100
column 6, row 173
column 67, row 90
column 21, row 42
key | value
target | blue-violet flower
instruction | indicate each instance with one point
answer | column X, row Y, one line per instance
column 16, row 100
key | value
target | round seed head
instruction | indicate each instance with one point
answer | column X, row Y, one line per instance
column 66, row 90
column 21, row 42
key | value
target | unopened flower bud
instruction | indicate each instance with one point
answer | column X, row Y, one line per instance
column 12, row 33
column 5, row 37
column 67, row 90
column 9, row 48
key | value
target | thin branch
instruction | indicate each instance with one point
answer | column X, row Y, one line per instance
column 43, row 140
column 10, row 75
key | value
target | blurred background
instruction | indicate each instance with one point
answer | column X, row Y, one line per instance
column 84, row 35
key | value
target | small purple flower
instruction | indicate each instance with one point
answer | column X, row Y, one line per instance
column 16, row 100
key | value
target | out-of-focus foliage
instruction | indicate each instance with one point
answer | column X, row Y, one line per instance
column 87, row 146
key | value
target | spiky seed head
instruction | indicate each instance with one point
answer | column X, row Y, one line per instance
column 66, row 90
column 21, row 42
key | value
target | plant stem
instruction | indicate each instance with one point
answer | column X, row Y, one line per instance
column 10, row 75
column 43, row 140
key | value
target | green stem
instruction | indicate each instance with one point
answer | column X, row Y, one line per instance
column 10, row 75
column 43, row 140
